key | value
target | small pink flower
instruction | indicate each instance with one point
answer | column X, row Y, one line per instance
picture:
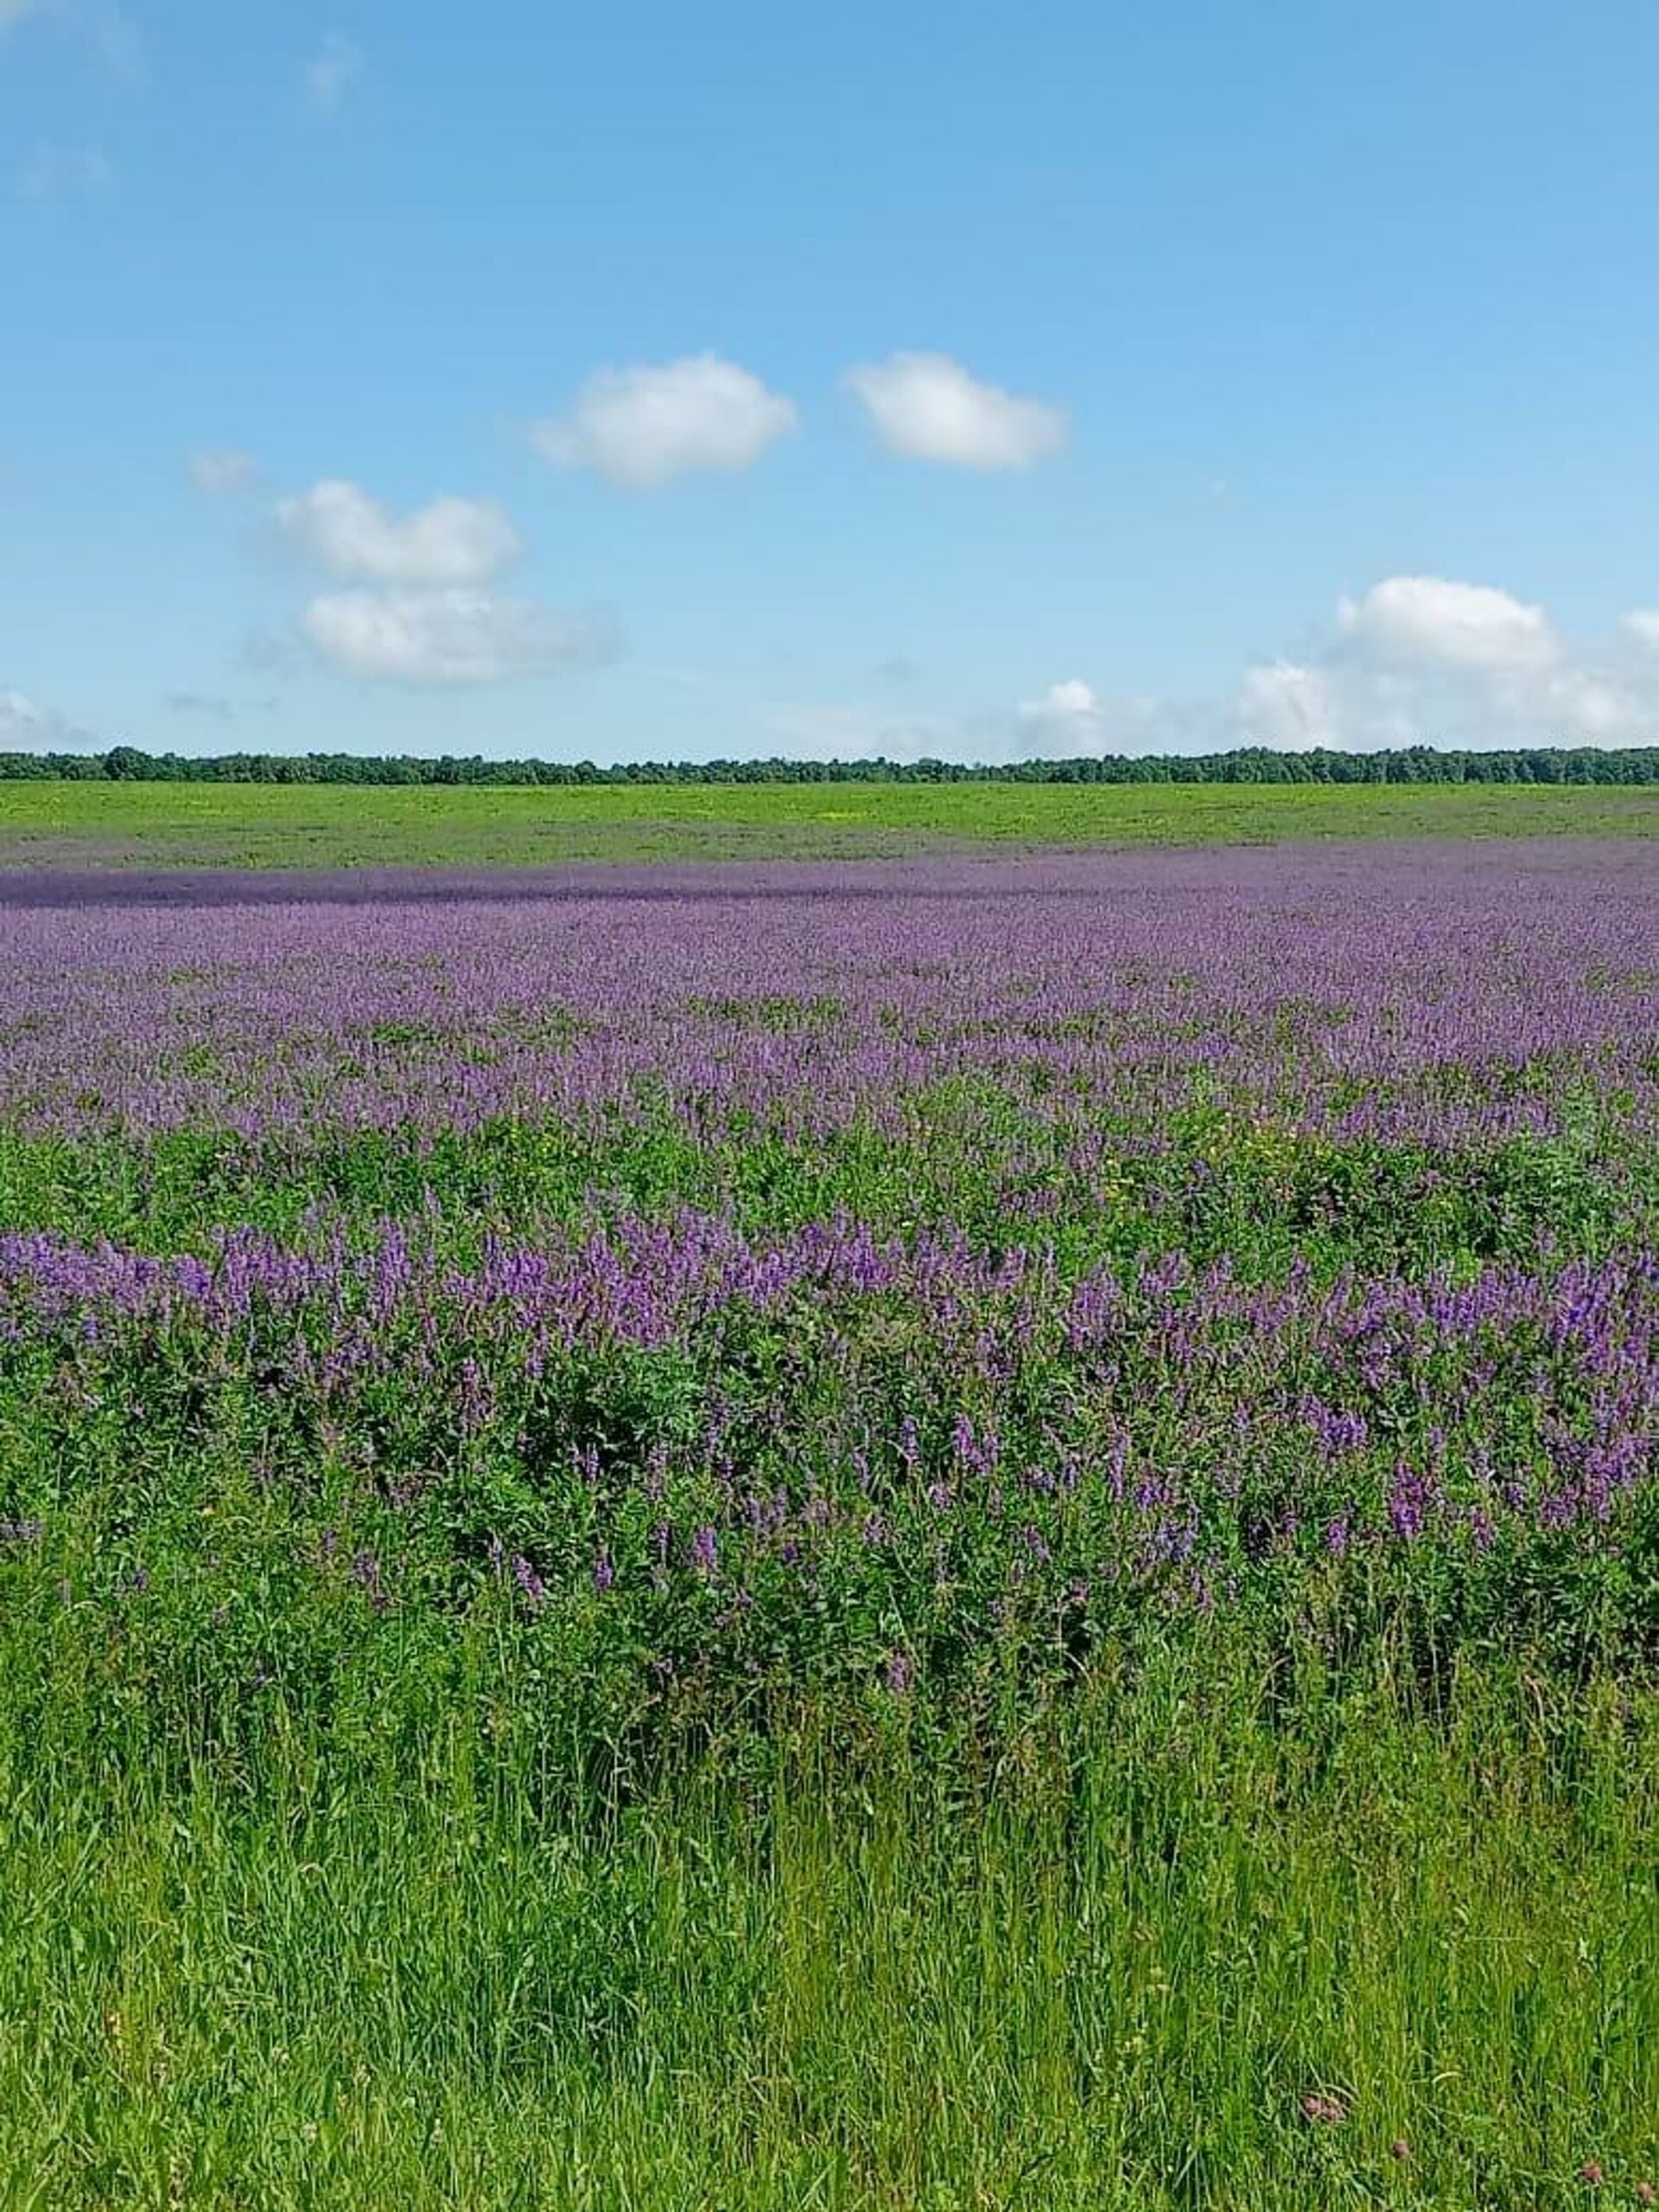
column 1323, row 2112
column 1591, row 2171
column 1646, row 2193
column 1399, row 2148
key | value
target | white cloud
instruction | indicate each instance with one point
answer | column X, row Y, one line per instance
column 27, row 726
column 641, row 427
column 332, row 72
column 1288, row 707
column 450, row 637
column 1415, row 661
column 1587, row 706
column 1070, row 701
column 221, row 470
column 1409, row 619
column 1068, row 720
column 1072, row 719
column 927, row 406
column 1428, row 660
column 860, row 733
column 338, row 525
column 53, row 172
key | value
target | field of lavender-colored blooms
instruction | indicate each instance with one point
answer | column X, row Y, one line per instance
column 961, row 1531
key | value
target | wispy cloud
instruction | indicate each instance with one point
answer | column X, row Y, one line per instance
column 222, row 471
column 102, row 26
column 54, row 172
column 332, row 72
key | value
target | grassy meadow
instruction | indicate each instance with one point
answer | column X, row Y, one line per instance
column 974, row 1534
column 330, row 826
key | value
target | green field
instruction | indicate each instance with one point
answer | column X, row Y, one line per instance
column 137, row 825
column 597, row 1615
column 397, row 1960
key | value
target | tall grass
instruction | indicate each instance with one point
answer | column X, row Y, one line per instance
column 1104, row 1962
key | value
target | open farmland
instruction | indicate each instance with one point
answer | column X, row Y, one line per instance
column 114, row 824
column 974, row 1531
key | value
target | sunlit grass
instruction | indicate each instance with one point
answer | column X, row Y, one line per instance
column 1104, row 1968
column 326, row 826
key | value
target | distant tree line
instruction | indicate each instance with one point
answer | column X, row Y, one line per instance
column 1414, row 764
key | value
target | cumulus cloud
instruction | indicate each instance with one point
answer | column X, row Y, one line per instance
column 1432, row 660
column 1589, row 704
column 27, row 727
column 1072, row 719
column 1070, row 701
column 1432, row 619
column 332, row 73
column 927, row 407
column 1427, row 659
column 340, row 527
column 220, row 471
column 1069, row 718
column 1288, row 707
column 641, row 427
column 1413, row 661
column 451, row 636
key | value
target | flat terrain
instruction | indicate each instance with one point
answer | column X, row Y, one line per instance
column 115, row 825
column 885, row 1537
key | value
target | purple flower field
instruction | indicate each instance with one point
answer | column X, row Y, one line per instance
column 1448, row 994
column 762, row 1496
column 858, row 1273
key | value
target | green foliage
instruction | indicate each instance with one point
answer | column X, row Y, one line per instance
column 397, row 1961
column 1253, row 764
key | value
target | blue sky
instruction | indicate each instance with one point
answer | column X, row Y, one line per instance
column 980, row 380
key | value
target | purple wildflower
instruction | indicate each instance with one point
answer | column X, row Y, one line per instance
column 529, row 1581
